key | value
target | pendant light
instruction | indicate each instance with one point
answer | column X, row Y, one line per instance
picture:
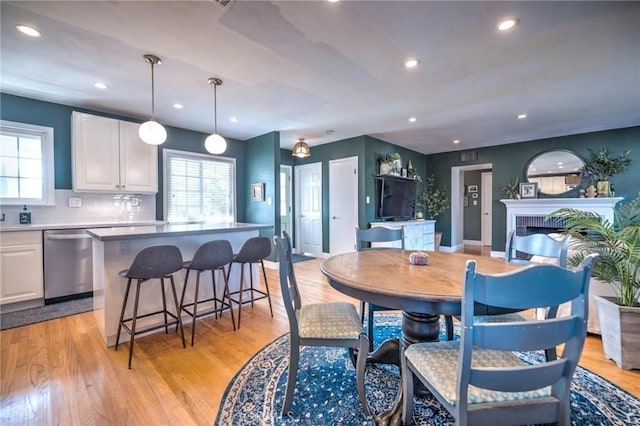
column 301, row 149
column 151, row 131
column 214, row 143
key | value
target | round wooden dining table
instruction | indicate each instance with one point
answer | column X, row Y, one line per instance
column 423, row 292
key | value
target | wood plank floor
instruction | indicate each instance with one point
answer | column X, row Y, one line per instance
column 59, row 371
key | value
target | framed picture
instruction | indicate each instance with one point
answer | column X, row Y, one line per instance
column 528, row 190
column 472, row 188
column 257, row 192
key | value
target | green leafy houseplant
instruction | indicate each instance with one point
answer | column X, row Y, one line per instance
column 603, row 165
column 512, row 188
column 618, row 245
column 434, row 200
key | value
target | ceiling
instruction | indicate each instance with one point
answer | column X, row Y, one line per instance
column 330, row 71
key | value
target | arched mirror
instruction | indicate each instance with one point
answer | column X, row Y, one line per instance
column 556, row 172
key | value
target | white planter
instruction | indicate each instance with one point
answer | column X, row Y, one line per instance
column 620, row 328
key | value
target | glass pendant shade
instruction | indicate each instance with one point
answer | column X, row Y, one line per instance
column 215, row 144
column 152, row 132
column 301, row 149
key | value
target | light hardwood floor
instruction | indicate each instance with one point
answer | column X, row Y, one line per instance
column 59, row 372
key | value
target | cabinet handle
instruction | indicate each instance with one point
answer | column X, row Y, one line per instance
column 122, row 186
column 117, row 186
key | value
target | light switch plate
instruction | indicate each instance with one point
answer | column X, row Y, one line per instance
column 75, row 202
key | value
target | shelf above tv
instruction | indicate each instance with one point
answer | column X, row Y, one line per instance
column 392, row 177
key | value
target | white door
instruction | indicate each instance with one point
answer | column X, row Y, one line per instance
column 343, row 204
column 309, row 208
column 285, row 199
column 487, row 195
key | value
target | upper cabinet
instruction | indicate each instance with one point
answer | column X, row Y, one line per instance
column 109, row 156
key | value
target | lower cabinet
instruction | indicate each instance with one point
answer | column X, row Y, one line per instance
column 21, row 275
column 418, row 234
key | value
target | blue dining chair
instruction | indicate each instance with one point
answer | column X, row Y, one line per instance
column 479, row 379
column 335, row 324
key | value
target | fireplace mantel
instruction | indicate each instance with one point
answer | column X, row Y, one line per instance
column 543, row 206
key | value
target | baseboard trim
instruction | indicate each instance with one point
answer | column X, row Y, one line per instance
column 472, row 242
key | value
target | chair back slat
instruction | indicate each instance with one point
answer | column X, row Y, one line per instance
column 518, row 379
column 527, row 335
column 378, row 234
column 288, row 283
column 536, row 286
column 539, row 245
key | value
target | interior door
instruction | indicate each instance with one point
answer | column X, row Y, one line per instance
column 285, row 200
column 308, row 190
column 343, row 204
column 487, row 195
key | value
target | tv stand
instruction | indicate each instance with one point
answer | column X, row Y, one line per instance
column 418, row 234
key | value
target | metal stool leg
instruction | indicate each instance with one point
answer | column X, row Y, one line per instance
column 227, row 293
column 132, row 340
column 164, row 307
column 124, row 307
column 175, row 299
column 195, row 308
column 266, row 284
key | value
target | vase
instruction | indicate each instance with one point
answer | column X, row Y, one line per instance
column 590, row 192
column 604, row 188
column 620, row 332
column 385, row 167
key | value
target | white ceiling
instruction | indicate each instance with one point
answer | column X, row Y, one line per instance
column 306, row 67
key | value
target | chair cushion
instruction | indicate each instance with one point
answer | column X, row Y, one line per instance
column 438, row 363
column 337, row 320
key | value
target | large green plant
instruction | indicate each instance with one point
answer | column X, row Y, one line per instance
column 603, row 165
column 434, row 199
column 618, row 245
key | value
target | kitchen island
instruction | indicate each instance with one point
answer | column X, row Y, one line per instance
column 115, row 248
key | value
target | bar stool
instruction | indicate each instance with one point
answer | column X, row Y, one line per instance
column 157, row 262
column 212, row 256
column 254, row 250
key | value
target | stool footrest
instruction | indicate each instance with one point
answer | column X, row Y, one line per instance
column 153, row 327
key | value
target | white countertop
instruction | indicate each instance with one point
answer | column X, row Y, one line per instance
column 97, row 224
column 135, row 232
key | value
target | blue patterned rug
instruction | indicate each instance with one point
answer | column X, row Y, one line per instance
column 326, row 390
column 295, row 258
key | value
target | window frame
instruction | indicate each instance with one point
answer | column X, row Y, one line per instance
column 166, row 153
column 48, row 164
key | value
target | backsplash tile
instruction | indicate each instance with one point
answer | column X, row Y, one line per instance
column 95, row 208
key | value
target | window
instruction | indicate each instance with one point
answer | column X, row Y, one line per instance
column 198, row 187
column 26, row 164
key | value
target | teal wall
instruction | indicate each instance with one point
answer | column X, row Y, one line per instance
column 510, row 160
column 263, row 166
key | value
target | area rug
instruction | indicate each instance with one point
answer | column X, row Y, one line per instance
column 326, row 390
column 45, row 313
column 295, row 258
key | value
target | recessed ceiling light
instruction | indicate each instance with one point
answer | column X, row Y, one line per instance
column 334, row 1
column 178, row 105
column 100, row 85
column 457, row 141
column 411, row 63
column 507, row 24
column 30, row 31
column 412, row 119
column 234, row 119
column 521, row 116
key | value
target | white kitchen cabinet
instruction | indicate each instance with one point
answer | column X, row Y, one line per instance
column 418, row 234
column 21, row 276
column 109, row 156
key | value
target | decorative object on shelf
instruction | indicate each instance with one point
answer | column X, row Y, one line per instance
column 618, row 245
column 435, row 201
column 151, row 131
column 301, row 149
column 528, row 190
column 385, row 166
column 472, row 188
column 512, row 189
column 396, row 163
column 257, row 192
column 214, row 143
column 602, row 166
column 25, row 216
column 590, row 192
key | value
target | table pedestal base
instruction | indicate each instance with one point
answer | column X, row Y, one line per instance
column 416, row 328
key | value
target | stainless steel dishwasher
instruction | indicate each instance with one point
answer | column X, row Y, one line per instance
column 68, row 265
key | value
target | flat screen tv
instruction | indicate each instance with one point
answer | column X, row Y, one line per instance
column 397, row 198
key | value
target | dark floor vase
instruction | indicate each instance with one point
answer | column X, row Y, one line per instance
column 620, row 327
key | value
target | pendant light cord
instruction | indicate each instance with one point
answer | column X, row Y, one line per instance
column 153, row 111
column 215, row 109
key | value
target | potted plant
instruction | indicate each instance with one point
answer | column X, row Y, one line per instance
column 435, row 201
column 603, row 165
column 618, row 245
column 512, row 189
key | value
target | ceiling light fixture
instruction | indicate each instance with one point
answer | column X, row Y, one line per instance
column 234, row 119
column 412, row 119
column 507, row 24
column 411, row 63
column 27, row 30
column 100, row 85
column 214, row 143
column 178, row 105
column 151, row 131
column 521, row 116
column 301, row 149
column 457, row 141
